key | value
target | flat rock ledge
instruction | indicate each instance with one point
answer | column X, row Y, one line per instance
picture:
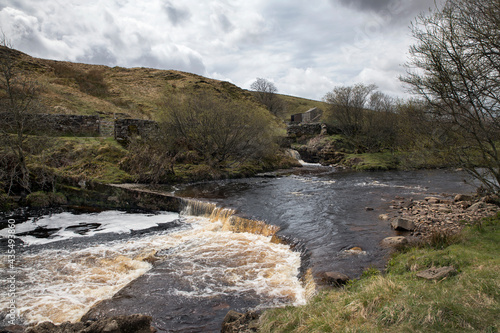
column 443, row 213
column 136, row 323
column 437, row 273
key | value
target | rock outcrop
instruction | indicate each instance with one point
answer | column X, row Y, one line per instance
column 236, row 322
column 334, row 279
column 136, row 323
column 436, row 273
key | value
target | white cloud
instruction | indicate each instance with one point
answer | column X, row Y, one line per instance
column 305, row 49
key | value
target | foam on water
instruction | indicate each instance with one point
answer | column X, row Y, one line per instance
column 63, row 284
column 106, row 222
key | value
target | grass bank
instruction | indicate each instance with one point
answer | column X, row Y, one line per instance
column 399, row 301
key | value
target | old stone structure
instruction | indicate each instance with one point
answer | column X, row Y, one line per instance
column 298, row 130
column 127, row 128
column 52, row 124
column 310, row 116
column 76, row 125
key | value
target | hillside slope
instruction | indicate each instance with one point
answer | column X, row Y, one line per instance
column 76, row 88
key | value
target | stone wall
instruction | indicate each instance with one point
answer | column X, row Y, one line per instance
column 54, row 124
column 127, row 128
column 299, row 130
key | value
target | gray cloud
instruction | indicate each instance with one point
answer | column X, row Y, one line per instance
column 375, row 5
column 98, row 55
column 305, row 49
column 176, row 16
column 390, row 12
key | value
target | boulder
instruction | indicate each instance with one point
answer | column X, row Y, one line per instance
column 235, row 322
column 384, row 217
column 436, row 273
column 402, row 224
column 394, row 241
column 476, row 206
column 335, row 279
column 136, row 323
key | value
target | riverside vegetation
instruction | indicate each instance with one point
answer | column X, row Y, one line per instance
column 455, row 124
column 208, row 130
column 397, row 300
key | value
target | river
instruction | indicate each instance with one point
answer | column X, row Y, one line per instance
column 187, row 270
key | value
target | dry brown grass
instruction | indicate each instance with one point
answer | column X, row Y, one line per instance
column 80, row 88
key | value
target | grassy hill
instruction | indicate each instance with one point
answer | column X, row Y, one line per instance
column 83, row 89
column 295, row 105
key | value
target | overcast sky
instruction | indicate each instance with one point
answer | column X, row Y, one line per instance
column 306, row 47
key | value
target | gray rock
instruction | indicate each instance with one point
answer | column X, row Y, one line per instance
column 335, row 279
column 433, row 200
column 235, row 322
column 394, row 241
column 436, row 273
column 402, row 224
column 120, row 324
column 476, row 206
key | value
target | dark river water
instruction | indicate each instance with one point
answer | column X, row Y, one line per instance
column 327, row 210
column 187, row 271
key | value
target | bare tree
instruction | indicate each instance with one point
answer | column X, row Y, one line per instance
column 266, row 93
column 18, row 104
column 455, row 67
column 347, row 105
column 219, row 129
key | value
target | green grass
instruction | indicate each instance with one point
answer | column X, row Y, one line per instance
column 295, row 105
column 399, row 301
column 372, row 161
column 84, row 158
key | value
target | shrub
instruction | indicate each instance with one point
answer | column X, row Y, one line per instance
column 38, row 199
column 44, row 199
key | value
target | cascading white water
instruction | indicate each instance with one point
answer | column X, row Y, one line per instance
column 62, row 284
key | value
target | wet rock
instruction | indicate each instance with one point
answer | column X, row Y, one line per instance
column 432, row 200
column 476, row 206
column 399, row 223
column 437, row 273
column 13, row 329
column 394, row 241
column 462, row 197
column 235, row 322
column 354, row 251
column 136, row 323
column 334, row 279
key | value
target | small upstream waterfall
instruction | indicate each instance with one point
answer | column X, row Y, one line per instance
column 209, row 252
column 295, row 154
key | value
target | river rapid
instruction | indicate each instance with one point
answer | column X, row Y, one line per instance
column 188, row 269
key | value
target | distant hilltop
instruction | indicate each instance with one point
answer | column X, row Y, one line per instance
column 117, row 92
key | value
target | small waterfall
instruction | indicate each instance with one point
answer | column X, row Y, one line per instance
column 237, row 224
column 230, row 221
column 295, row 154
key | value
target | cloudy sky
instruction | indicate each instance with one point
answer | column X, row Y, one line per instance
column 306, row 47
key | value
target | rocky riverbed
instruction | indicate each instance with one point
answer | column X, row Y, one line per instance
column 446, row 214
